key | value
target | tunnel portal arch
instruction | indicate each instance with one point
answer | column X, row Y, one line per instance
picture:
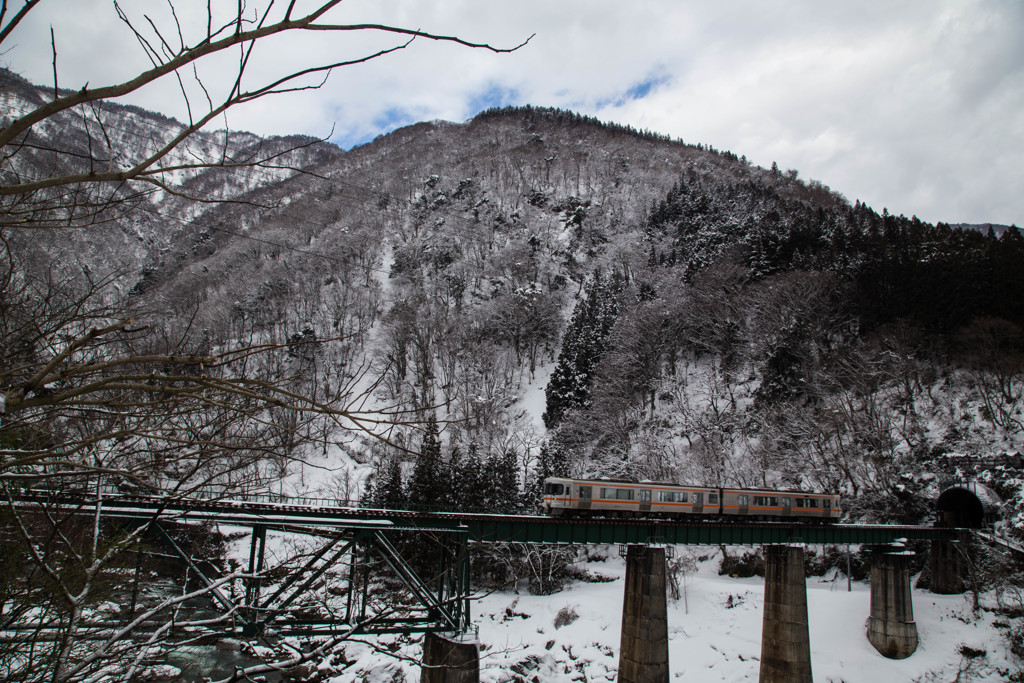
column 966, row 506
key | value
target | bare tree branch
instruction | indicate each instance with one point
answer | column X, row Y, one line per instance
column 94, row 400
column 95, row 194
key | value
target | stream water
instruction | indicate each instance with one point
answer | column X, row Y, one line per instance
column 204, row 662
column 198, row 661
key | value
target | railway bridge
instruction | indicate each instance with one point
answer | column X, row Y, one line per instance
column 353, row 543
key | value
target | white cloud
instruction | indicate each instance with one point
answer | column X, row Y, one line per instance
column 917, row 105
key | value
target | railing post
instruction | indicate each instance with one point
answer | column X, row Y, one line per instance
column 257, row 553
column 457, row 572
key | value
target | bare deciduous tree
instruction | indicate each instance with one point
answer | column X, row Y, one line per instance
column 997, row 369
column 93, row 397
column 49, row 186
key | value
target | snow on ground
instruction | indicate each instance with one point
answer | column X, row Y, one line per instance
column 714, row 634
column 533, row 401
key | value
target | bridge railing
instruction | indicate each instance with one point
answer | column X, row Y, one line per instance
column 269, row 498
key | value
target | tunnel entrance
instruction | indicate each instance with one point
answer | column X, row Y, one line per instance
column 961, row 508
column 966, row 506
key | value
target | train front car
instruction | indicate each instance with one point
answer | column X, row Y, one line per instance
column 835, row 508
column 558, row 497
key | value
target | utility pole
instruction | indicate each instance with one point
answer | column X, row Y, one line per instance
column 849, row 578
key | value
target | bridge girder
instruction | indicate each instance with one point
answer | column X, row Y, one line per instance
column 366, row 543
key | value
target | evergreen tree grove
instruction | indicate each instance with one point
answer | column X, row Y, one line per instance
column 583, row 346
column 427, row 488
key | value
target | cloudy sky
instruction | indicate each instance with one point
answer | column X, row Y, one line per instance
column 912, row 105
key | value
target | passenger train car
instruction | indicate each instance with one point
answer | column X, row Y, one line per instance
column 617, row 498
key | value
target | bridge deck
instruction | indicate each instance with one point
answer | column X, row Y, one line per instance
column 496, row 528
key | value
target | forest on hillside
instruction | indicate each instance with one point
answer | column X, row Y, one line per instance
column 743, row 329
column 688, row 316
column 451, row 313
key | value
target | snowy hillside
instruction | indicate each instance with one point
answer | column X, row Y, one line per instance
column 757, row 329
column 450, row 313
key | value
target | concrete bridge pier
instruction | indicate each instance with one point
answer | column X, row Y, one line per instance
column 785, row 638
column 950, row 565
column 891, row 626
column 643, row 650
column 450, row 658
column 968, row 505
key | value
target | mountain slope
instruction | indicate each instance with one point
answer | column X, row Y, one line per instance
column 763, row 330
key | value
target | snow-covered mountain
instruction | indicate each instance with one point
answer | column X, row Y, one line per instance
column 208, row 166
column 748, row 310
column 566, row 295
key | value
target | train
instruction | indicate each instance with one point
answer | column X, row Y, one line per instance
column 566, row 497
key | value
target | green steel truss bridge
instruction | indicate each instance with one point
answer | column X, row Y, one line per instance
column 355, row 549
column 501, row 528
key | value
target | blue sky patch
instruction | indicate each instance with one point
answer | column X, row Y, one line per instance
column 643, row 88
column 494, row 96
column 386, row 122
column 637, row 91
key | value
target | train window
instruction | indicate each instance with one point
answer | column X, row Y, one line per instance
column 713, row 498
column 554, row 489
column 624, row 494
column 812, row 502
column 683, row 496
column 760, row 500
column 773, row 501
column 742, row 499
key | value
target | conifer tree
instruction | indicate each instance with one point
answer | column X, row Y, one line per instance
column 454, row 484
column 472, row 493
column 583, row 346
column 503, row 482
column 388, row 491
column 426, row 488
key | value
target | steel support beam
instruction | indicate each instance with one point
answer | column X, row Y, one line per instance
column 449, row 617
column 217, row 593
column 257, row 555
column 271, row 603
